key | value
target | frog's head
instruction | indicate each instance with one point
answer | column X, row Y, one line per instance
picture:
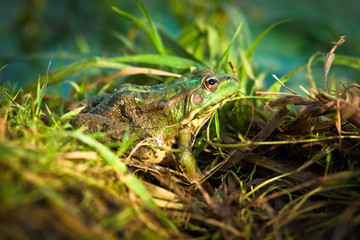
column 211, row 92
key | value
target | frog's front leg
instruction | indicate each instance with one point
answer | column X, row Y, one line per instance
column 187, row 161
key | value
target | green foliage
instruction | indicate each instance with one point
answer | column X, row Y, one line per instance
column 27, row 169
column 152, row 33
column 226, row 53
column 263, row 187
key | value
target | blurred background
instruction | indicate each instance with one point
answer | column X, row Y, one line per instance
column 35, row 32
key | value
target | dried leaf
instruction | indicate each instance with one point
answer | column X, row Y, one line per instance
column 329, row 59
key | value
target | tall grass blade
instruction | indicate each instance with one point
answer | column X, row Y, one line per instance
column 143, row 26
column 114, row 63
column 75, row 68
column 260, row 37
column 159, row 60
column 125, row 41
column 41, row 89
column 224, row 56
column 353, row 62
column 213, row 42
column 156, row 37
column 3, row 67
column 174, row 46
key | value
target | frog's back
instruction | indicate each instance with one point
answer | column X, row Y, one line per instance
column 147, row 107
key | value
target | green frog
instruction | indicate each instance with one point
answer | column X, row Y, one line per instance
column 168, row 115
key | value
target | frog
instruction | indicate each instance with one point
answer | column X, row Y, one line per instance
column 166, row 116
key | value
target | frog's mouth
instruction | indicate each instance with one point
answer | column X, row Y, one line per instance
column 198, row 117
column 212, row 108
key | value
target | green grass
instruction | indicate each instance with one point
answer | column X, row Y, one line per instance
column 274, row 174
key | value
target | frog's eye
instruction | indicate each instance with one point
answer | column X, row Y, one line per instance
column 210, row 83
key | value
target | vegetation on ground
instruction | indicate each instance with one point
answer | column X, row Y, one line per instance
column 281, row 165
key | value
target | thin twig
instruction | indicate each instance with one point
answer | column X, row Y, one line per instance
column 274, row 76
column 305, row 91
column 233, row 68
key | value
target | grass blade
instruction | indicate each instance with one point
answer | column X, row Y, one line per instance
column 213, row 39
column 353, row 62
column 159, row 60
column 3, row 67
column 141, row 25
column 135, row 20
column 114, row 63
column 128, row 44
column 260, row 37
column 109, row 156
column 246, row 57
column 75, row 68
column 155, row 35
column 224, row 56
column 130, row 180
column 174, row 46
